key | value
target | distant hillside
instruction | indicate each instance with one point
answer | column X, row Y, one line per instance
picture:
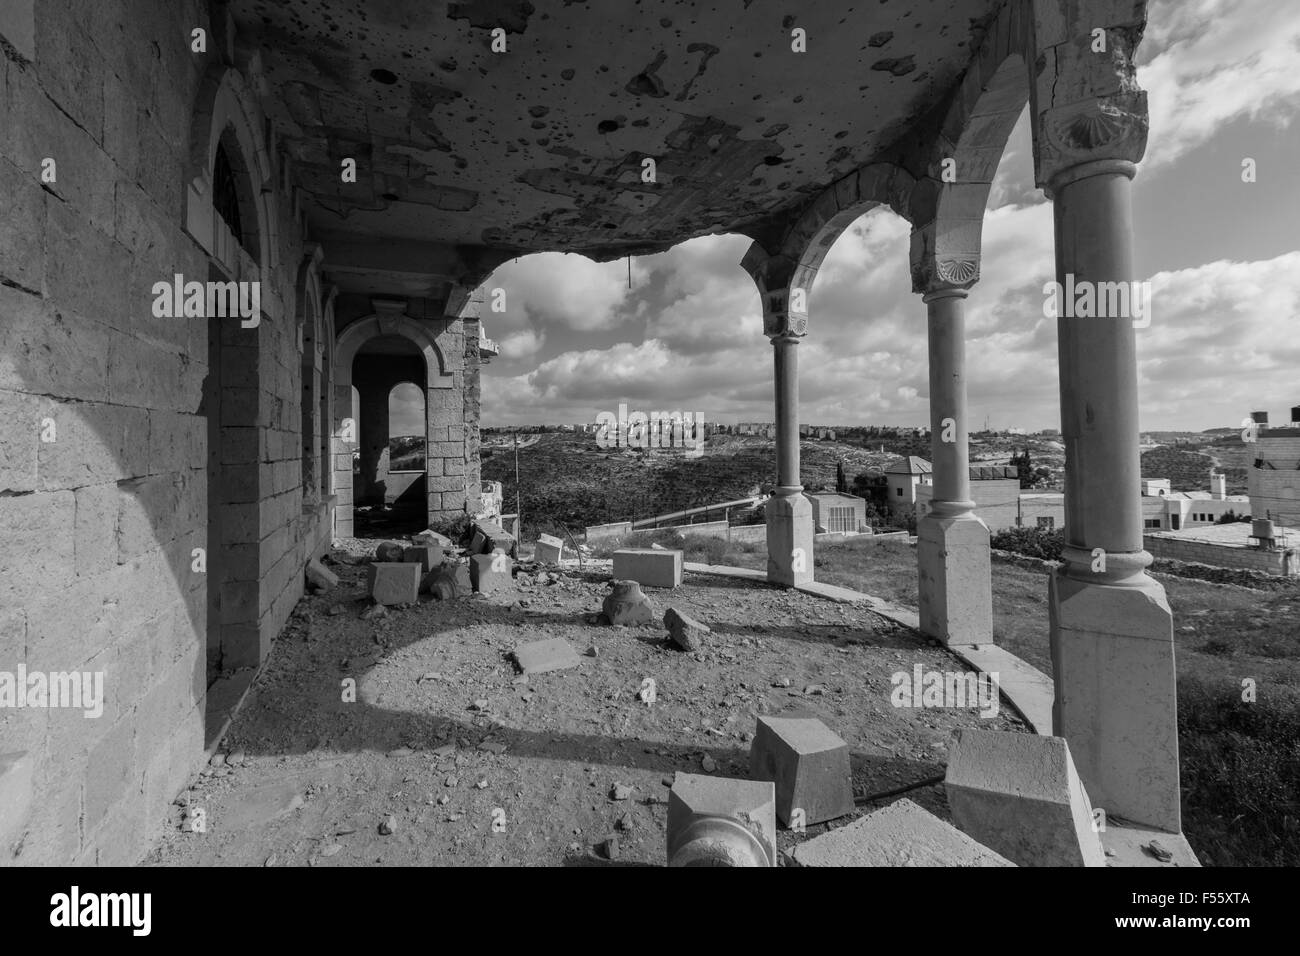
column 567, row 480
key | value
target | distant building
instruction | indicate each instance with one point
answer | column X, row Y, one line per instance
column 902, row 478
column 834, row 512
column 1274, row 478
column 1001, row 504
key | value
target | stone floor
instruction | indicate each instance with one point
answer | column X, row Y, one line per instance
column 467, row 764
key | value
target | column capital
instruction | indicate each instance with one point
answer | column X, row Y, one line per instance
column 944, row 292
column 1105, row 134
column 785, row 335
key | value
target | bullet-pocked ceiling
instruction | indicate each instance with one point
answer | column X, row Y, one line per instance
column 542, row 146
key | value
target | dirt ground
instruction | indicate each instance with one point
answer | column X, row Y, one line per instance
column 467, row 763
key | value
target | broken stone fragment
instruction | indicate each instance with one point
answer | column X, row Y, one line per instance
column 320, row 576
column 539, row 657
column 431, row 537
column 626, row 605
column 389, row 826
column 686, row 632
column 448, row 581
column 389, row 551
column 620, row 791
column 901, row 834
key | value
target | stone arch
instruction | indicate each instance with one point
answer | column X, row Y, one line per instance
column 803, row 247
column 948, row 217
column 389, row 319
column 224, row 115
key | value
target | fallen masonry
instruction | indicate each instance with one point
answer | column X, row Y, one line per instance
column 539, row 657
column 394, row 582
column 808, row 763
column 901, row 834
column 1021, row 795
column 721, row 821
column 448, row 581
column 686, row 632
column 320, row 576
column 389, row 552
column 427, row 556
column 653, row 567
column 549, row 549
column 491, row 572
column 626, row 605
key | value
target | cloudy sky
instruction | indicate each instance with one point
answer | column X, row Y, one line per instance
column 1222, row 256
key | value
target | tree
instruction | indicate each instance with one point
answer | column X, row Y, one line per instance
column 841, row 483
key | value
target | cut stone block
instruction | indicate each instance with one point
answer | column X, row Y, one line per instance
column 427, row 556
column 649, row 566
column 395, row 582
column 549, row 549
column 491, row 572
column 542, row 656
column 389, row 552
column 320, row 576
column 901, row 834
column 686, row 632
column 434, row 538
column 15, row 794
column 627, row 605
column 489, row 536
column 721, row 821
column 808, row 763
column 448, row 581
column 1019, row 794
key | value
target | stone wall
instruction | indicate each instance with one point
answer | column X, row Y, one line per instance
column 1204, row 552
column 105, row 416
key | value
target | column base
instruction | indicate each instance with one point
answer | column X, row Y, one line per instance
column 1116, row 694
column 955, row 583
column 789, row 540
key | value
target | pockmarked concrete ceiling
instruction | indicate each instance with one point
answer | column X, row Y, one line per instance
column 541, row 147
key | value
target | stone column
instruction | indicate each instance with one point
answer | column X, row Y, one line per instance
column 952, row 542
column 1111, row 627
column 789, row 515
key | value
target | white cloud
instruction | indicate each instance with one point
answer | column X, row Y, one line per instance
column 561, row 289
column 1213, row 61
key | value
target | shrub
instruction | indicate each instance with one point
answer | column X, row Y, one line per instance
column 1240, row 773
column 1035, row 542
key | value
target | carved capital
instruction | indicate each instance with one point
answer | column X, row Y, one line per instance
column 784, row 324
column 945, row 275
column 1106, row 128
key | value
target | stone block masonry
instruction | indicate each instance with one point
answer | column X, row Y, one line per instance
column 649, row 566
column 809, row 764
column 395, row 583
column 124, row 553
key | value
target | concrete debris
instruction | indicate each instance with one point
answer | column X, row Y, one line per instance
column 539, row 657
column 389, row 552
column 686, row 632
column 320, row 576
column 626, row 605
